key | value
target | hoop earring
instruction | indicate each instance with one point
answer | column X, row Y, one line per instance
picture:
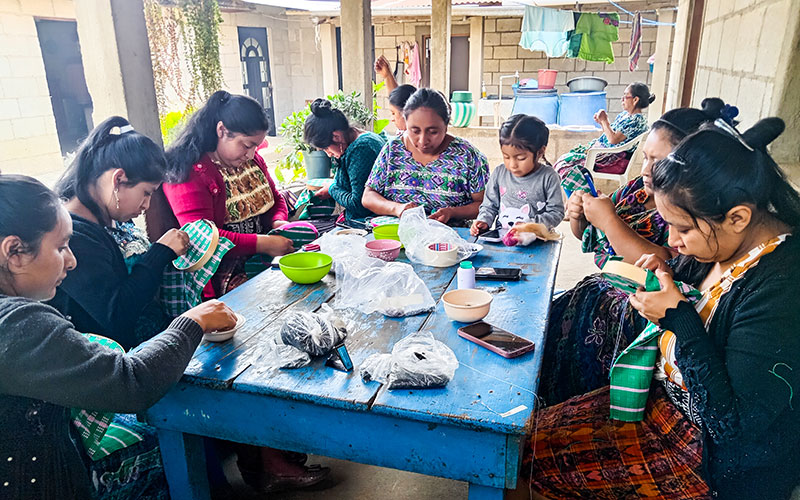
column 116, row 196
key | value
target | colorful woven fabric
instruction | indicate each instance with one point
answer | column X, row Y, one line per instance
column 99, row 435
column 448, row 181
column 182, row 290
column 630, row 203
column 575, row 451
column 632, row 371
column 247, row 191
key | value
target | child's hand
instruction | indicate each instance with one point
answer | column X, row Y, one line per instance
column 478, row 227
column 598, row 210
column 653, row 305
column 575, row 205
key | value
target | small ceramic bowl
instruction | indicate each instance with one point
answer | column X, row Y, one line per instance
column 467, row 305
column 220, row 336
column 387, row 250
column 357, row 232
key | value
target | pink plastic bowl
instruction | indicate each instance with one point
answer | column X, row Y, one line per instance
column 387, row 250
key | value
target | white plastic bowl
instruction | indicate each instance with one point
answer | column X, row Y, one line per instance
column 226, row 334
column 467, row 305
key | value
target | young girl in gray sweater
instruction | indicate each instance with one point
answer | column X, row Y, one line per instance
column 527, row 189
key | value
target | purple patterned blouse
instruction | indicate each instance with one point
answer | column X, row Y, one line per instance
column 448, row 181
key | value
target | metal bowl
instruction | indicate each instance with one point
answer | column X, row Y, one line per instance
column 587, row 84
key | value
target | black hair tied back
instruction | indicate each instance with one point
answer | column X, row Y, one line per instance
column 760, row 135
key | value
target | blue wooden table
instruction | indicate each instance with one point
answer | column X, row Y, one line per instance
column 471, row 430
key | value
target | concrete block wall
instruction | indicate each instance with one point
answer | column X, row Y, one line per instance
column 28, row 139
column 502, row 55
column 739, row 52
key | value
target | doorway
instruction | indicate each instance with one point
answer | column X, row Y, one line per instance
column 256, row 76
column 63, row 67
column 459, row 62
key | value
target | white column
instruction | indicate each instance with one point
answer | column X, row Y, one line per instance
column 330, row 70
column 440, row 46
column 475, row 62
column 677, row 62
column 357, row 59
column 118, row 69
column 659, row 85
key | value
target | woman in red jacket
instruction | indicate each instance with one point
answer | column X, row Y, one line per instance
column 216, row 174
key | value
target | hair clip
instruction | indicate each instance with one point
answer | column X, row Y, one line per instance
column 125, row 129
column 730, row 130
column 676, row 159
column 728, row 113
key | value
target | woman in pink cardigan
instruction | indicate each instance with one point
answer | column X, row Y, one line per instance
column 216, row 174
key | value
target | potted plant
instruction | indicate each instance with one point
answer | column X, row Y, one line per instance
column 302, row 159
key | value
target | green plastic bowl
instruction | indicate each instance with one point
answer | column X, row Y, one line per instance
column 386, row 232
column 306, row 267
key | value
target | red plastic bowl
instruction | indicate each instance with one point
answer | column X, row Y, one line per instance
column 387, row 250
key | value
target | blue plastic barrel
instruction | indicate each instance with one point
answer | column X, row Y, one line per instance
column 541, row 104
column 578, row 108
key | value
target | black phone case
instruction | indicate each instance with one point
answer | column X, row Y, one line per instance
column 499, row 277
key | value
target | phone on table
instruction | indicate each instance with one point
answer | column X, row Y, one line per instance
column 496, row 339
column 498, row 273
column 492, row 236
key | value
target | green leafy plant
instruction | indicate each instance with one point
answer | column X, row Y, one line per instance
column 291, row 167
column 172, row 123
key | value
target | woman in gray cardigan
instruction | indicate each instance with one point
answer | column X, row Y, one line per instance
column 46, row 367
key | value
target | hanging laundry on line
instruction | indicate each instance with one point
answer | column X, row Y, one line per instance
column 546, row 30
column 636, row 42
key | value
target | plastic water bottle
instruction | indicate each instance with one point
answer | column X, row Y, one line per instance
column 466, row 275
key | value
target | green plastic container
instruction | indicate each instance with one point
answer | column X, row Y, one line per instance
column 306, row 267
column 461, row 96
column 386, row 232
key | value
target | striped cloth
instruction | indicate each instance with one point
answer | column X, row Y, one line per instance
column 636, row 42
column 632, row 371
column 100, row 436
column 301, row 233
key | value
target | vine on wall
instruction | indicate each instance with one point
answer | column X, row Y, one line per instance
column 184, row 39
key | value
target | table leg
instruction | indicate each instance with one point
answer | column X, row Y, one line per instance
column 479, row 492
column 184, row 464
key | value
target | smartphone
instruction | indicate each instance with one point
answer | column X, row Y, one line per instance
column 492, row 236
column 498, row 273
column 496, row 339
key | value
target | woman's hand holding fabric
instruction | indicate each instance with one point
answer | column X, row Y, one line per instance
column 598, row 210
column 322, row 193
column 176, row 240
column 653, row 305
column 278, row 223
column 575, row 205
column 653, row 263
column 274, row 245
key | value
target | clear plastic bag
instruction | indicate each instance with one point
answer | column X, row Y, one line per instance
column 390, row 288
column 417, row 233
column 312, row 333
column 417, row 361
